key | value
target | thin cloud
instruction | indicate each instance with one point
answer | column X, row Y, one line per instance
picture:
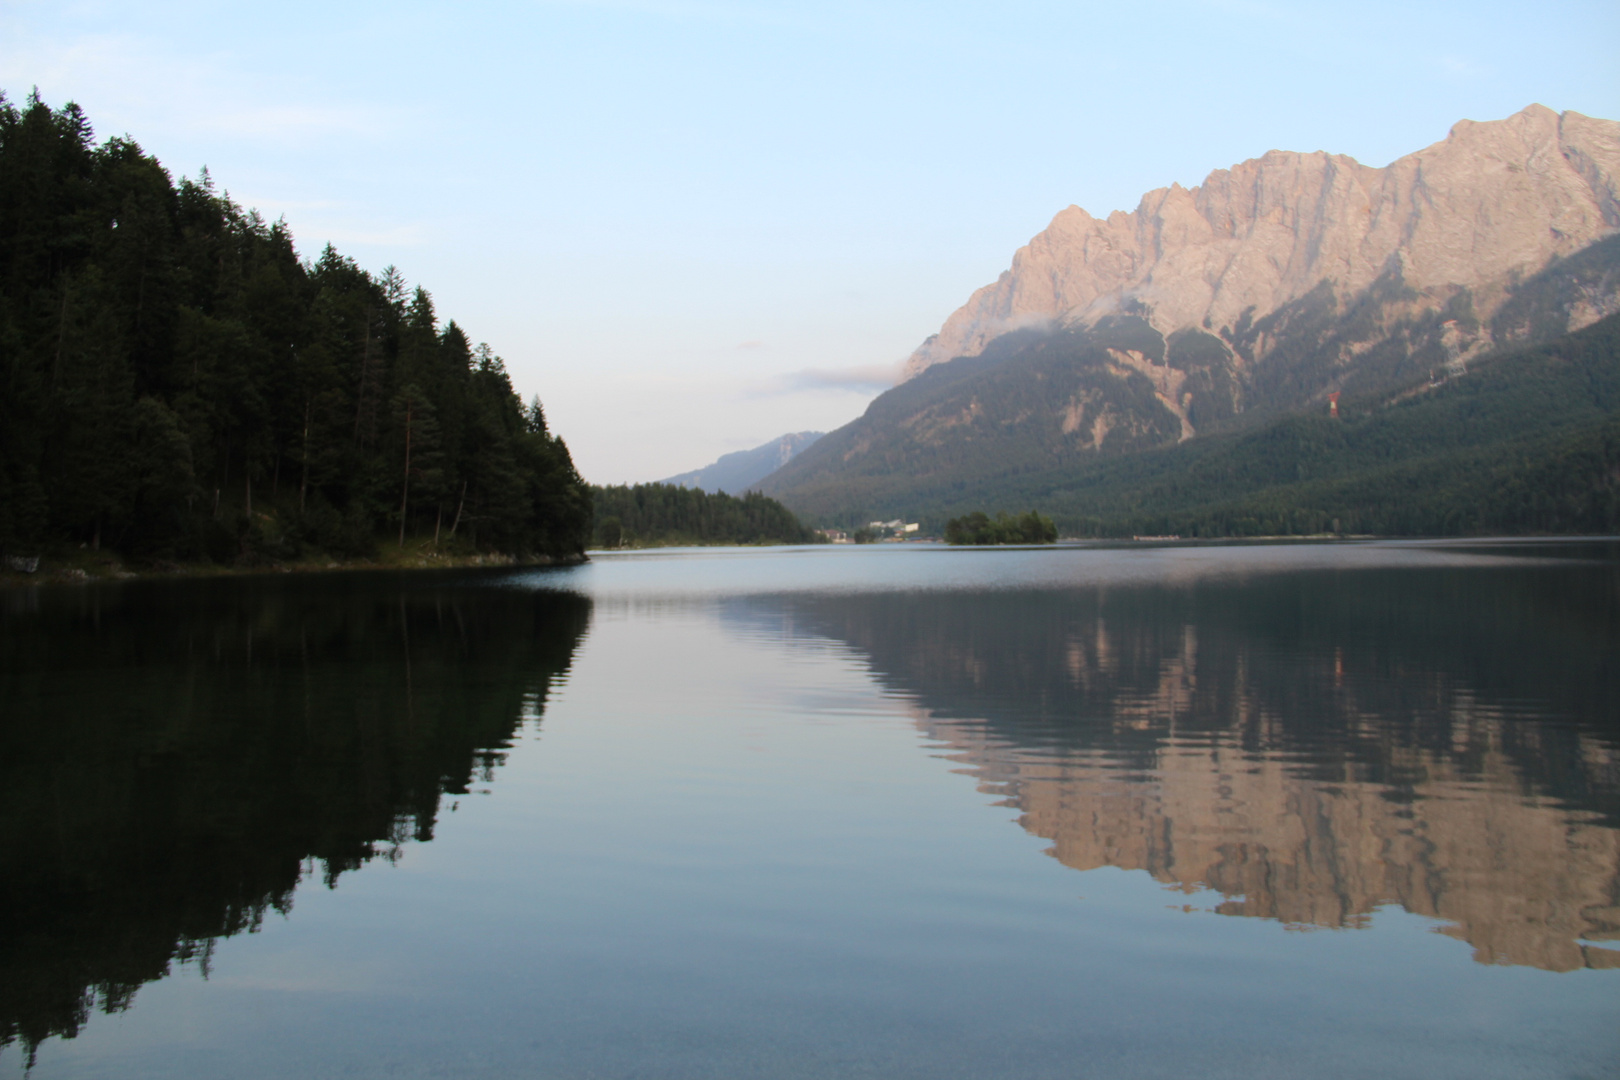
column 268, row 204
column 207, row 95
column 856, row 379
column 1459, row 67
column 288, row 122
column 317, row 222
column 687, row 11
column 401, row 236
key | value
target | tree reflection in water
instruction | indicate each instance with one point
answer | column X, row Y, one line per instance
column 175, row 758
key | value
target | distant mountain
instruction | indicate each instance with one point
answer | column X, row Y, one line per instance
column 1272, row 287
column 738, row 472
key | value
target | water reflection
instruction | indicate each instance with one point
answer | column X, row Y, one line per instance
column 1311, row 745
column 176, row 757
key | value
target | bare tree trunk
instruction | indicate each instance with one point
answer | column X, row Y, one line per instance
column 438, row 519
column 303, row 484
column 405, row 492
column 61, row 336
column 365, row 381
column 140, row 289
column 460, row 503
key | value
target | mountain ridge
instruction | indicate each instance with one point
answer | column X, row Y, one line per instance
column 1493, row 202
column 740, row 470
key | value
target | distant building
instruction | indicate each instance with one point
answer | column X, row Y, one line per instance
column 892, row 531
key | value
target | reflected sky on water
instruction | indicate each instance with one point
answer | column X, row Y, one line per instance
column 899, row 811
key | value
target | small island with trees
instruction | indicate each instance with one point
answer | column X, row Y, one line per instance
column 978, row 528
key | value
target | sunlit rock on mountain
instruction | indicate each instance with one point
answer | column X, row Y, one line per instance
column 1489, row 205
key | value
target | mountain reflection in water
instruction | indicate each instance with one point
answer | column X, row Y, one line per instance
column 1312, row 746
column 175, row 757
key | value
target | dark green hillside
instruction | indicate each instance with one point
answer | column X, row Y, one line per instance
column 661, row 515
column 1527, row 443
column 176, row 382
column 1524, row 443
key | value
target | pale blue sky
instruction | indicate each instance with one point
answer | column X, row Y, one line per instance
column 693, row 226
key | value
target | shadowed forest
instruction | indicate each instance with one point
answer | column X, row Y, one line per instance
column 659, row 515
column 179, row 383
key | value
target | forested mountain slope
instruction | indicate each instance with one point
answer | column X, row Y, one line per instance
column 176, row 382
column 1526, row 442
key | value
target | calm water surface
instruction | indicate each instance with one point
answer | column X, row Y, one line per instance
column 1310, row 810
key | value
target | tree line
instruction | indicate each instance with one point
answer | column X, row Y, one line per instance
column 657, row 515
column 180, row 383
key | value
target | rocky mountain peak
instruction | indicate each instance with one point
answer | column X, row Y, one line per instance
column 1491, row 204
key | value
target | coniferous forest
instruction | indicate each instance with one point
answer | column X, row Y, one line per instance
column 178, row 383
column 660, row 515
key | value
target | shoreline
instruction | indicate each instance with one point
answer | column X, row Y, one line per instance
column 94, row 567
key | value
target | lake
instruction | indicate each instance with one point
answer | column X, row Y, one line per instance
column 893, row 811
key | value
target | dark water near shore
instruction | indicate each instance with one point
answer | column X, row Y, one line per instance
column 1324, row 810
